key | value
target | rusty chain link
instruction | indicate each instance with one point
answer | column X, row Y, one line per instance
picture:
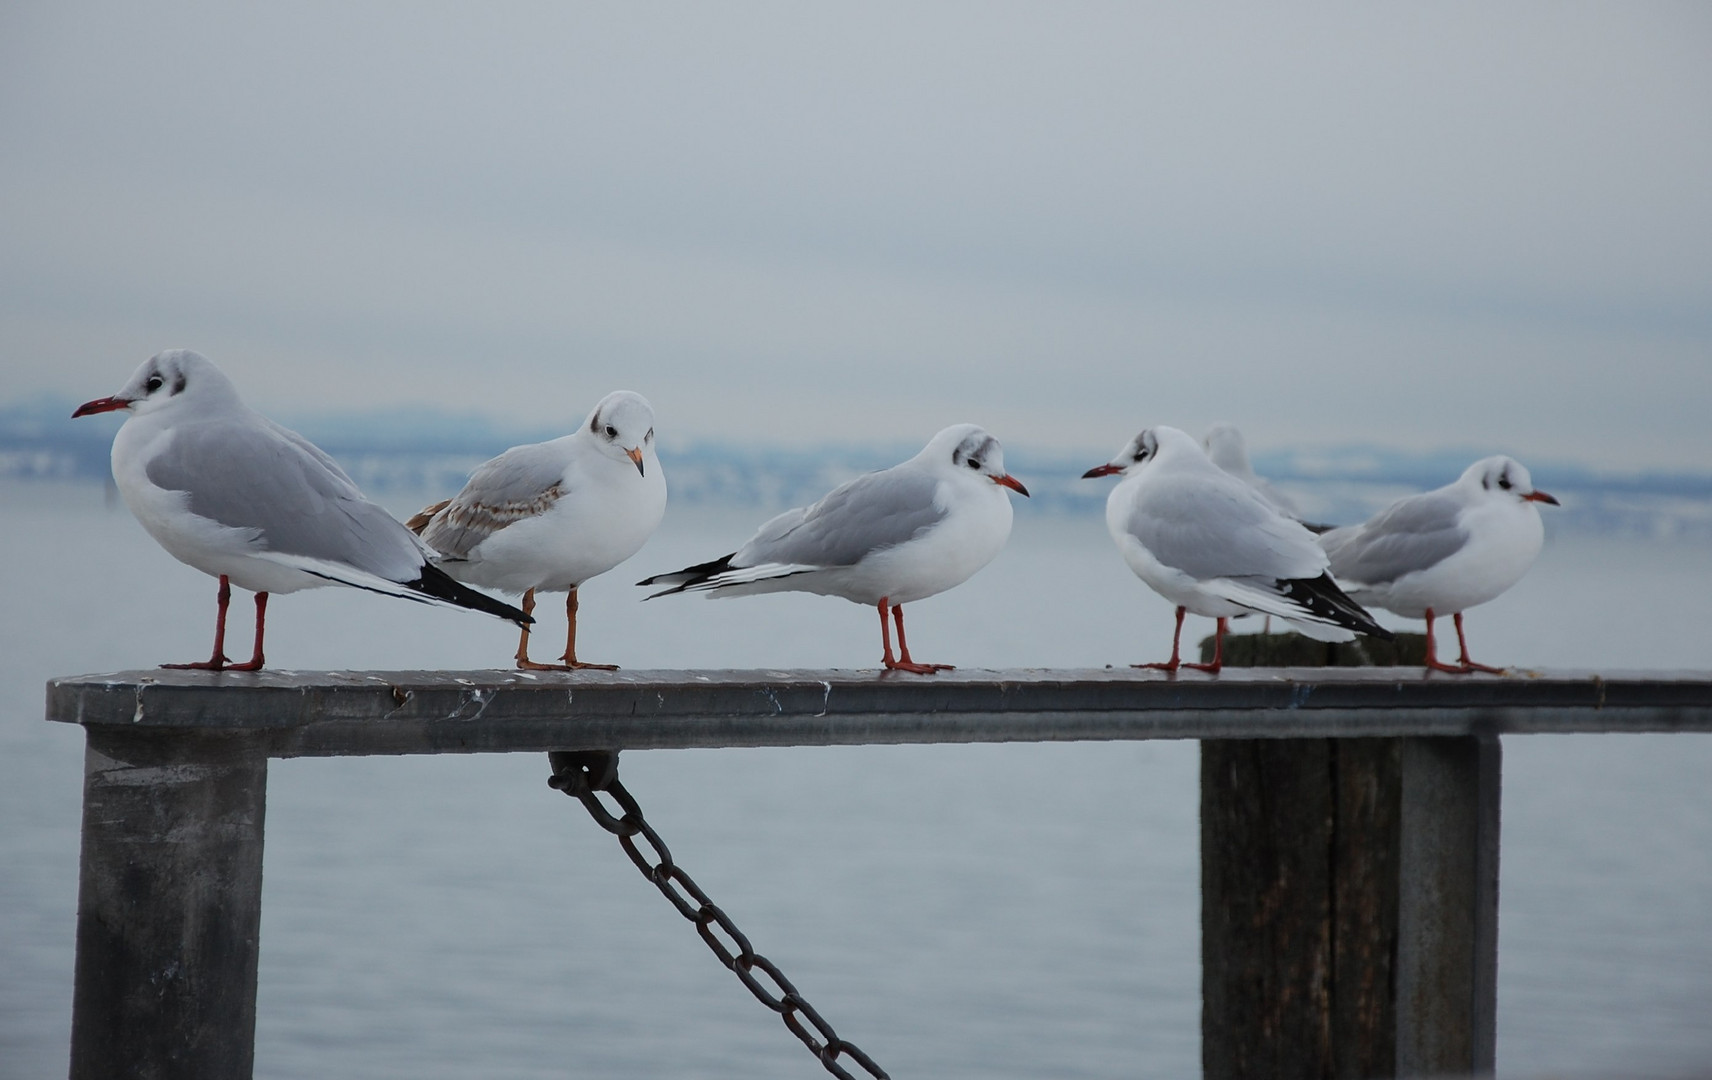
column 584, row 774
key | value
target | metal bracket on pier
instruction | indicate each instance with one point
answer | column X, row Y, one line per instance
column 585, row 774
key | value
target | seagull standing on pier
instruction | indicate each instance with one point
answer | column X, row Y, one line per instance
column 1212, row 545
column 1446, row 550
column 549, row 516
column 884, row 539
column 230, row 492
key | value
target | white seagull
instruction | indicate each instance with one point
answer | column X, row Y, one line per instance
column 1212, row 545
column 1228, row 450
column 886, row 538
column 1446, row 550
column 549, row 516
column 230, row 492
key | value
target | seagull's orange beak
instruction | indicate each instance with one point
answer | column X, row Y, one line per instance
column 1102, row 470
column 636, row 455
column 100, row 405
column 1011, row 482
column 1540, row 496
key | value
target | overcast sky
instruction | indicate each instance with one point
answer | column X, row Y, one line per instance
column 1451, row 225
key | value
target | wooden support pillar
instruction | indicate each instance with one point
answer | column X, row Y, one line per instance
column 1447, row 934
column 1349, row 905
column 169, row 906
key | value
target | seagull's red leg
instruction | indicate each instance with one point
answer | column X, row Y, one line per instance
column 1433, row 651
column 217, row 662
column 886, row 636
column 904, row 661
column 1218, row 650
column 570, row 657
column 1467, row 664
column 1176, row 635
column 522, row 657
column 254, row 663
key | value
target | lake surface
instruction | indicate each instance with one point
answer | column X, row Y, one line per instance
column 967, row 911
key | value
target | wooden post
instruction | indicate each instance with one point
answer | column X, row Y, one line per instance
column 1447, row 935
column 1349, row 904
column 169, row 906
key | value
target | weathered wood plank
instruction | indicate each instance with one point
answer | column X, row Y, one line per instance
column 406, row 712
column 168, row 907
column 1447, row 921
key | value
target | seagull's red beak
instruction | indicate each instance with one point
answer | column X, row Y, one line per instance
column 1011, row 482
column 100, row 405
column 636, row 456
column 1540, row 496
column 1102, row 470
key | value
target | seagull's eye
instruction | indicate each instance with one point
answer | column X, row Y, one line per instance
column 611, row 432
column 1504, row 482
column 155, row 383
column 974, row 463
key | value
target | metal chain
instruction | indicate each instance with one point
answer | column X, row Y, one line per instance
column 584, row 774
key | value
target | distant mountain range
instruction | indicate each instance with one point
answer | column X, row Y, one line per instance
column 433, row 452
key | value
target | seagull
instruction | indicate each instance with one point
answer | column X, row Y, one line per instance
column 1445, row 550
column 548, row 516
column 230, row 492
column 1229, row 451
column 1212, row 545
column 885, row 538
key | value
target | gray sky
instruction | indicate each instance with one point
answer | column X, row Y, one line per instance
column 1470, row 225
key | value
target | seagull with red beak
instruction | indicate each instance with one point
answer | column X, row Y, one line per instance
column 230, row 492
column 1444, row 551
column 548, row 516
column 884, row 539
column 1213, row 546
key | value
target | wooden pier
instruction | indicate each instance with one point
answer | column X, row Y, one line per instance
column 1349, row 822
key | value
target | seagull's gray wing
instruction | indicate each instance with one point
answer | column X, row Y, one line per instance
column 520, row 483
column 868, row 514
column 1219, row 527
column 262, row 478
column 1409, row 535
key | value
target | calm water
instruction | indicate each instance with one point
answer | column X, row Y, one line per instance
column 995, row 911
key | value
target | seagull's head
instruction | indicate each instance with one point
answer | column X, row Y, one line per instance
column 966, row 448
column 1227, row 449
column 1504, row 477
column 166, row 380
column 1147, row 448
column 622, row 425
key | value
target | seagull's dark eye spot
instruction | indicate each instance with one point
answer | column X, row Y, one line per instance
column 155, row 383
column 974, row 463
column 611, row 432
column 1504, row 482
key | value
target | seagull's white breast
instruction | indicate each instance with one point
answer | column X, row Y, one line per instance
column 1505, row 536
column 606, row 515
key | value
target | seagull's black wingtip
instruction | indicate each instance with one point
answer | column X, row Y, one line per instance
column 1323, row 598
column 437, row 583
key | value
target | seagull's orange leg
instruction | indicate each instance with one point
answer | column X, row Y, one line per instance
column 1218, row 649
column 523, row 661
column 1467, row 664
column 1433, row 651
column 904, row 661
column 218, row 661
column 1176, row 636
column 254, row 663
column 570, row 657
